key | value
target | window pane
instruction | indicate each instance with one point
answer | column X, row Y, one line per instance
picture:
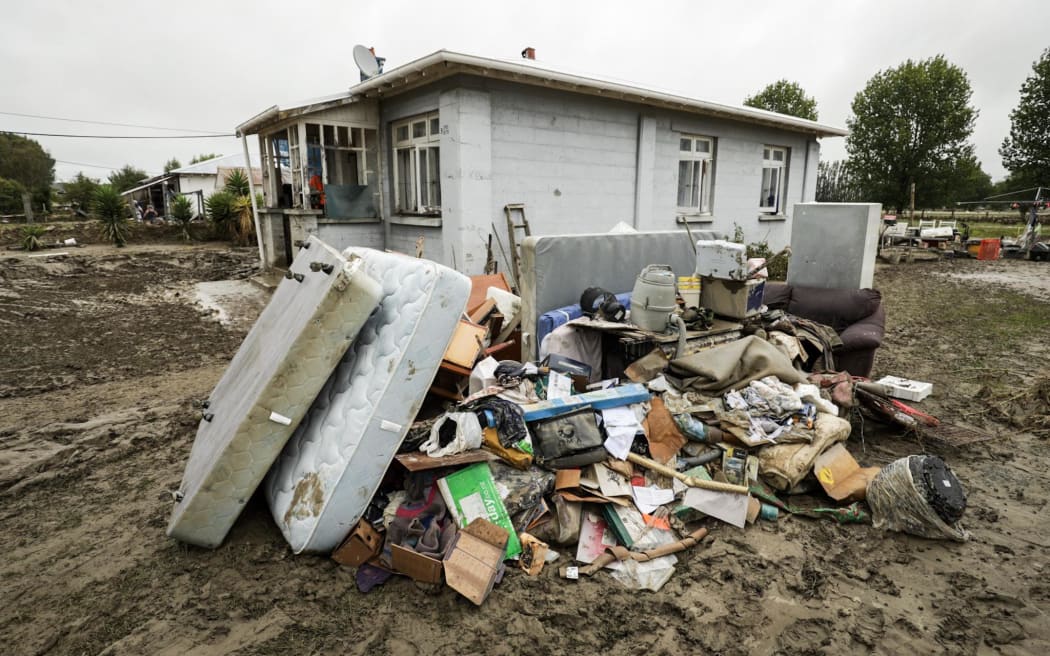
column 684, row 177
column 342, row 134
column 766, row 196
column 685, row 145
column 313, row 133
column 406, row 172
column 356, row 138
column 434, row 177
column 703, row 146
column 419, row 129
column 765, row 153
column 705, row 186
column 778, row 155
column 694, row 185
column 402, row 133
column 434, row 127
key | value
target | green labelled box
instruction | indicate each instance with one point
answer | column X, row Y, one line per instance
column 471, row 493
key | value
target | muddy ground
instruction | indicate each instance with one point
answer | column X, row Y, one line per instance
column 105, row 351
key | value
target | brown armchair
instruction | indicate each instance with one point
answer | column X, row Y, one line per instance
column 856, row 315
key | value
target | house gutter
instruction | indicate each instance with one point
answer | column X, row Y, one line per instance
column 263, row 117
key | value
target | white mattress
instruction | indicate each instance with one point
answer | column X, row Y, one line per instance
column 280, row 367
column 329, row 470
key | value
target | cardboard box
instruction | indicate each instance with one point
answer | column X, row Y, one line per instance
column 363, row 544
column 840, row 475
column 471, row 494
column 475, row 559
column 903, row 388
column 415, row 565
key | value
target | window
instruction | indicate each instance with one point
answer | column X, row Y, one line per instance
column 335, row 163
column 774, row 169
column 417, row 165
column 695, row 174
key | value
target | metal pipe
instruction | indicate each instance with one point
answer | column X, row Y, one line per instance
column 688, row 480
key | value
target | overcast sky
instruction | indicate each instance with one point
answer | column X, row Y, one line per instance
column 211, row 65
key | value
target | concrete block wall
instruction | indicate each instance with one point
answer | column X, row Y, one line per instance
column 569, row 158
column 340, row 235
column 403, row 240
column 737, row 177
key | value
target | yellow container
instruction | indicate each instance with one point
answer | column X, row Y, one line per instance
column 689, row 290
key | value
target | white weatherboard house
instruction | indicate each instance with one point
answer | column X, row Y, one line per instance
column 437, row 147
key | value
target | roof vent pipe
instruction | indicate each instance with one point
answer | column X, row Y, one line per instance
column 528, row 53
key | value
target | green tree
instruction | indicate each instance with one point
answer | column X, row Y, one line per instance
column 126, row 178
column 1026, row 152
column 785, row 97
column 112, row 212
column 203, row 157
column 237, row 183
column 11, row 196
column 911, row 124
column 182, row 214
column 25, row 161
column 171, row 165
column 835, row 183
column 80, row 191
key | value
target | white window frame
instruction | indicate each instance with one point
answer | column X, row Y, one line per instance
column 777, row 166
column 705, row 162
column 423, row 149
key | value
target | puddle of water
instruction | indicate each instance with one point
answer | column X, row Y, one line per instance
column 231, row 301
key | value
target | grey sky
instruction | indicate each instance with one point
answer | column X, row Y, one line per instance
column 211, row 65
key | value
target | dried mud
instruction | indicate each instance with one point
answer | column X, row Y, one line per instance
column 105, row 352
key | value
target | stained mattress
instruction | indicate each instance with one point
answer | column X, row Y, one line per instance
column 333, row 464
column 268, row 387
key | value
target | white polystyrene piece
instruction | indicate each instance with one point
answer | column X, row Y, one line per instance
column 332, row 466
column 269, row 385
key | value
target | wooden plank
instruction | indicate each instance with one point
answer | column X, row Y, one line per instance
column 479, row 287
column 483, row 311
column 419, row 461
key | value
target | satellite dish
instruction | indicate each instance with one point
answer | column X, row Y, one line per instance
column 366, row 61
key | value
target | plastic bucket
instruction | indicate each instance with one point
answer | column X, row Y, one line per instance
column 989, row 250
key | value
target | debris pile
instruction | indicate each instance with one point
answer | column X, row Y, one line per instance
column 439, row 451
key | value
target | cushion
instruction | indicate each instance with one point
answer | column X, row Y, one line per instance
column 838, row 308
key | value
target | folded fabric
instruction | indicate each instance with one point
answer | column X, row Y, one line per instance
column 731, row 366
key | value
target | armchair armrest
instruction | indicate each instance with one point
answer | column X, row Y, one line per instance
column 866, row 333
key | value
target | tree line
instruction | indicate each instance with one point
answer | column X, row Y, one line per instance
column 911, row 125
column 25, row 167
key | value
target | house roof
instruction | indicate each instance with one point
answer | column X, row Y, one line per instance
column 212, row 166
column 444, row 63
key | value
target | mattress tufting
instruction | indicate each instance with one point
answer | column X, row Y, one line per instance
column 333, row 464
column 269, row 385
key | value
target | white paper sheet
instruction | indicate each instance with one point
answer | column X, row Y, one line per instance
column 726, row 506
column 559, row 386
column 621, row 425
column 648, row 499
column 611, row 483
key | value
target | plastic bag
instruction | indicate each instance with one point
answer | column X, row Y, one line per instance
column 453, row 433
column 898, row 504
